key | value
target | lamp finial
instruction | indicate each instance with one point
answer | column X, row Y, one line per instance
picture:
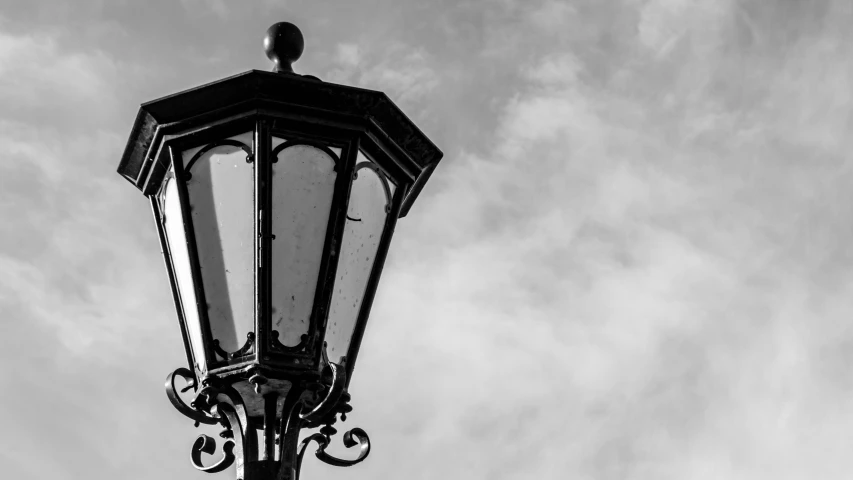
column 283, row 44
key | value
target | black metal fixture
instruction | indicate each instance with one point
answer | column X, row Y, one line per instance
column 275, row 197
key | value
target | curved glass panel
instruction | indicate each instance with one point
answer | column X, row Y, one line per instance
column 173, row 224
column 303, row 183
column 221, row 192
column 365, row 222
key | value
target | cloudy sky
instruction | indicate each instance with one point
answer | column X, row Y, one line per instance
column 635, row 261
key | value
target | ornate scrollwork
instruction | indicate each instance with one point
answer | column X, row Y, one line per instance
column 220, row 143
column 205, row 444
column 326, row 406
column 336, row 401
column 383, row 179
column 293, row 143
column 276, row 343
column 246, row 348
column 191, row 411
column 354, row 437
column 218, row 403
column 241, row 442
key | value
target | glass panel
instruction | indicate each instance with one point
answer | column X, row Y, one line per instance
column 221, row 191
column 173, row 224
column 302, row 188
column 365, row 221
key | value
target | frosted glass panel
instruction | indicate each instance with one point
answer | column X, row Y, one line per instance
column 302, row 188
column 365, row 221
column 173, row 224
column 221, row 196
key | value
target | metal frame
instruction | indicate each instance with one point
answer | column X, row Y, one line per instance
column 208, row 139
column 350, row 142
column 216, row 400
column 173, row 283
column 393, row 211
column 332, row 240
column 300, row 110
column 212, row 351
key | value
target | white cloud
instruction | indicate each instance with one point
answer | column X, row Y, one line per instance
column 217, row 7
column 555, row 71
column 405, row 73
column 64, row 248
column 34, row 72
column 664, row 22
column 641, row 272
column 64, row 240
column 553, row 15
column 613, row 261
column 347, row 54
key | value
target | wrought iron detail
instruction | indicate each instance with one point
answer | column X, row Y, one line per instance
column 257, row 379
column 293, row 143
column 219, row 143
column 206, row 444
column 246, row 348
column 241, row 442
column 333, row 396
column 277, row 345
column 383, row 179
column 323, row 440
column 215, row 403
column 190, row 411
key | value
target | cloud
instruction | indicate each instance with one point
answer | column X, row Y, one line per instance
column 405, row 73
column 73, row 294
column 553, row 15
column 41, row 84
column 217, row 7
column 348, row 54
column 633, row 294
column 633, row 262
column 664, row 22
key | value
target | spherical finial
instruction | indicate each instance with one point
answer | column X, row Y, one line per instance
column 284, row 45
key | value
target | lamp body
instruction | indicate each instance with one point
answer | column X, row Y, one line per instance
column 275, row 198
column 273, row 237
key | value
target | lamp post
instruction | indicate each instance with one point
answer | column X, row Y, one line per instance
column 275, row 196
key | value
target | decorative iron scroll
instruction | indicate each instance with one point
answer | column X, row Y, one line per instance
column 205, row 444
column 190, row 411
column 293, row 143
column 219, row 143
column 246, row 348
column 323, row 440
column 216, row 403
column 326, row 406
column 382, row 179
column 277, row 345
column 241, row 442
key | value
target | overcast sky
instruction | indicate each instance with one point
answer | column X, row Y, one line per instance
column 634, row 262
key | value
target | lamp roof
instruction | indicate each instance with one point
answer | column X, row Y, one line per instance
column 267, row 92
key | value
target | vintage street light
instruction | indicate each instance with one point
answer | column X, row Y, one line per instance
column 275, row 197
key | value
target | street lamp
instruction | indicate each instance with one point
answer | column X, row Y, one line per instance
column 275, row 197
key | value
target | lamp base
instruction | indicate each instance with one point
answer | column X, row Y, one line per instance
column 279, row 426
